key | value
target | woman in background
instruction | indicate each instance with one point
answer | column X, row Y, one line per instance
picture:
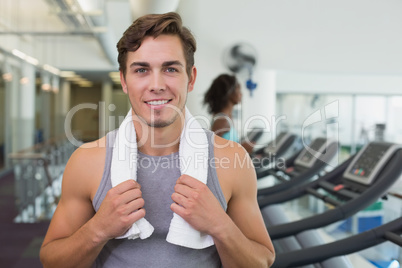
column 221, row 97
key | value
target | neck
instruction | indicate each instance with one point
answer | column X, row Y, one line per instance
column 228, row 109
column 158, row 141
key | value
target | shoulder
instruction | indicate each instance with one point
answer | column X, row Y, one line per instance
column 84, row 169
column 88, row 155
column 234, row 152
column 234, row 167
column 220, row 125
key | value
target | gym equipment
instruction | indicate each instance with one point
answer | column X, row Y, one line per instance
column 390, row 231
column 284, row 145
column 349, row 188
column 301, row 167
column 253, row 135
column 300, row 241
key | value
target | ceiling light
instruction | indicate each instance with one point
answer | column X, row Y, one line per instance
column 46, row 87
column 8, row 77
column 24, row 57
column 24, row 80
column 19, row 54
column 51, row 69
column 85, row 84
column 75, row 78
column 31, row 60
column 114, row 74
column 67, row 73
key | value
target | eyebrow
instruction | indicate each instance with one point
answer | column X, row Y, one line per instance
column 164, row 64
column 170, row 63
column 142, row 64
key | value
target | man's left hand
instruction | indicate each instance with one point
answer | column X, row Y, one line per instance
column 197, row 205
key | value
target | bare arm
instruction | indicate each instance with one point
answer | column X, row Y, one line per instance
column 222, row 126
column 240, row 234
column 76, row 234
column 243, row 240
column 248, row 146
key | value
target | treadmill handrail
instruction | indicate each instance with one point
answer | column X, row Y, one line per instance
column 394, row 238
column 305, row 175
column 296, row 192
column 278, row 146
column 373, row 193
column 341, row 247
column 267, row 172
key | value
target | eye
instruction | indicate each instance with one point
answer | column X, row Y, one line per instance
column 140, row 70
column 171, row 70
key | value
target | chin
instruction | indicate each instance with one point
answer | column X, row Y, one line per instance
column 159, row 124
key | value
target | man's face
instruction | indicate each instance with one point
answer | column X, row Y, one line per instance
column 156, row 80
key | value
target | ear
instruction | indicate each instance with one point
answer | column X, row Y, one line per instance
column 193, row 77
column 123, row 82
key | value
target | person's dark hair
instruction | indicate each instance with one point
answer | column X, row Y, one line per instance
column 155, row 25
column 219, row 93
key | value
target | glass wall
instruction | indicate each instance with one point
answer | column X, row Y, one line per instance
column 394, row 123
column 2, row 120
column 85, row 123
column 311, row 116
column 354, row 119
column 370, row 112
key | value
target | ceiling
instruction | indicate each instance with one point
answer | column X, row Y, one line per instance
column 316, row 36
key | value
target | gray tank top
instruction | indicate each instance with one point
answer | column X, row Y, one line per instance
column 157, row 176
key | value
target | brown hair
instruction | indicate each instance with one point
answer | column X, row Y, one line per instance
column 155, row 25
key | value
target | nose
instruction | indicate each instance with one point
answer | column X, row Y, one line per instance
column 157, row 82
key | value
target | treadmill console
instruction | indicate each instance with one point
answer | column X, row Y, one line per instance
column 309, row 156
column 254, row 134
column 369, row 162
column 274, row 146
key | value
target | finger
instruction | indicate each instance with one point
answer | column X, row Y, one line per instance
column 179, row 210
column 178, row 199
column 136, row 215
column 126, row 185
column 132, row 207
column 183, row 189
column 130, row 195
column 189, row 181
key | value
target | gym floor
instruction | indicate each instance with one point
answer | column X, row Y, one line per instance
column 20, row 242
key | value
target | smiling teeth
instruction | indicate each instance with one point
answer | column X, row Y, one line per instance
column 159, row 102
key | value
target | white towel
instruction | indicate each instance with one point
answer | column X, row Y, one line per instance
column 193, row 155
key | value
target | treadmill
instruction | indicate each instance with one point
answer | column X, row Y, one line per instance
column 352, row 186
column 390, row 231
column 301, row 167
column 253, row 135
column 284, row 145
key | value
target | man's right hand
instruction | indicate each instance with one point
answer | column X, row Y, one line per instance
column 122, row 206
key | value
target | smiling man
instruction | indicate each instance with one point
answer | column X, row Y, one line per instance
column 94, row 217
column 171, row 74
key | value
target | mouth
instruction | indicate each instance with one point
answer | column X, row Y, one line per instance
column 157, row 103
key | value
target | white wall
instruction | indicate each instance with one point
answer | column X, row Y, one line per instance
column 312, row 49
column 299, row 82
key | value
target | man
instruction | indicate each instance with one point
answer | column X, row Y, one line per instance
column 156, row 57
